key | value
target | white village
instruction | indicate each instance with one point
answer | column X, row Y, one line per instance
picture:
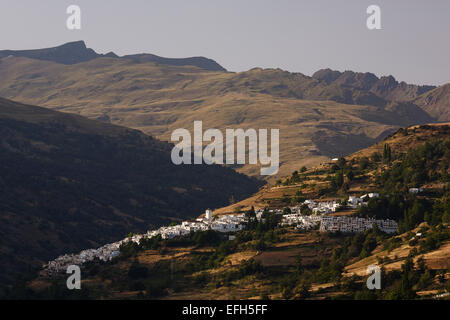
column 231, row 223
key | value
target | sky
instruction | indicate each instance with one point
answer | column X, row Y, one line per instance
column 413, row 43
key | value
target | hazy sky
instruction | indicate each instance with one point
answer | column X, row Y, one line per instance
column 298, row 36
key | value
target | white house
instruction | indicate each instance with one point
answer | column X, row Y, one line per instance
column 415, row 190
column 354, row 201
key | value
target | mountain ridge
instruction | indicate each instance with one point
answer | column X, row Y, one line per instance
column 386, row 87
column 77, row 52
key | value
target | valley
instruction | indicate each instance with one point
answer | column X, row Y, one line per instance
column 69, row 183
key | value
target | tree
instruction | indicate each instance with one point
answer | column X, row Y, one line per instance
column 421, row 265
column 415, row 214
column 250, row 217
column 305, row 210
column 286, row 293
column 250, row 214
column 375, row 157
column 295, row 200
column 363, row 163
column 341, row 162
column 260, row 245
column 405, row 286
column 305, row 290
column 350, row 175
column 295, row 177
column 265, row 214
column 338, row 180
column 386, row 154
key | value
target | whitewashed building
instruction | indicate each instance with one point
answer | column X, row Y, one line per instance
column 354, row 224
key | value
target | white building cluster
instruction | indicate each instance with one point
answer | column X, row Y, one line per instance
column 353, row 224
column 234, row 223
column 105, row 253
column 225, row 223
column 301, row 221
column 323, row 207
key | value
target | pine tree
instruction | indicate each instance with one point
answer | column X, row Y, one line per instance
column 386, row 154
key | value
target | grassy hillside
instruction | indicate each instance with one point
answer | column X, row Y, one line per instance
column 263, row 264
column 317, row 120
column 68, row 183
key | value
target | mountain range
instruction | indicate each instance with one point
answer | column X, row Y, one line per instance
column 326, row 115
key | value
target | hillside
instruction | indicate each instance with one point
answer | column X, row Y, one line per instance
column 314, row 182
column 291, row 265
column 68, row 183
column 317, row 120
column 268, row 261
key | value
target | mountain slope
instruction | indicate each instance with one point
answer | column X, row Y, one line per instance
column 69, row 183
column 158, row 98
column 436, row 102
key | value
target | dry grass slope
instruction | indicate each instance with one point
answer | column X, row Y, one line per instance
column 160, row 98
